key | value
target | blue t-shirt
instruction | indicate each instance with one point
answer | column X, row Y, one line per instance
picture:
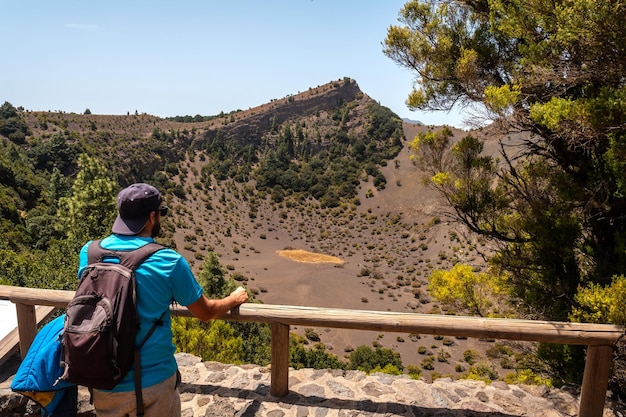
column 161, row 279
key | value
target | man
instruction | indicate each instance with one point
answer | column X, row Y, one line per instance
column 163, row 278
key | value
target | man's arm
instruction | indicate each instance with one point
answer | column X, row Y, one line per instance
column 206, row 309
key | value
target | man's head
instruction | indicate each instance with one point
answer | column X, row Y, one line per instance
column 135, row 204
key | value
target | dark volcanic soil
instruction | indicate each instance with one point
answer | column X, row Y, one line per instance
column 389, row 244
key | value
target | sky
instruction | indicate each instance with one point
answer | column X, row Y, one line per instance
column 192, row 57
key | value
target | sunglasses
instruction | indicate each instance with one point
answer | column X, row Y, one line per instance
column 162, row 210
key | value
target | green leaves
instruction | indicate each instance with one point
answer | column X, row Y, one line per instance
column 502, row 100
column 11, row 124
column 479, row 293
column 366, row 359
column 90, row 210
column 449, row 47
column 601, row 304
column 552, row 74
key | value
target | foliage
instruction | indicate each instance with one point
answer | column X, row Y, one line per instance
column 562, row 361
column 366, row 359
column 526, row 377
column 482, row 372
column 316, row 357
column 558, row 209
column 550, row 77
column 387, row 369
column 414, row 371
column 332, row 175
column 212, row 278
column 11, row 124
column 57, row 152
column 212, row 341
column 43, row 257
column 194, row 119
column 481, row 293
column 256, row 341
column 601, row 304
column 20, row 191
column 90, row 210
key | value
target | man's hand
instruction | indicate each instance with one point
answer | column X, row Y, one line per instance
column 240, row 295
column 207, row 309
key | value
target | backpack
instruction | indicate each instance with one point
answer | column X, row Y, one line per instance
column 101, row 320
column 39, row 373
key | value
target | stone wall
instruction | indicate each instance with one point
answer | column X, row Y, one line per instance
column 215, row 389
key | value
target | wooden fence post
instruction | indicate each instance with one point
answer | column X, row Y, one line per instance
column 27, row 326
column 280, row 360
column 595, row 380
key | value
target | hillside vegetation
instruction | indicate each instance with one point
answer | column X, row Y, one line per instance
column 326, row 172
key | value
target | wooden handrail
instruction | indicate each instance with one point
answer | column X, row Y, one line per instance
column 600, row 339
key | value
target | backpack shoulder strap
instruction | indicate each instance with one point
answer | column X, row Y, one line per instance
column 95, row 252
column 131, row 259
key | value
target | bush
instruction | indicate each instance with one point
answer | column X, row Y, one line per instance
column 367, row 359
column 470, row 356
column 414, row 371
column 428, row 363
column 311, row 335
column 483, row 372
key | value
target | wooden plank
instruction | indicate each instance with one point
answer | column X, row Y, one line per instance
column 595, row 381
column 36, row 296
column 10, row 343
column 279, row 386
column 478, row 327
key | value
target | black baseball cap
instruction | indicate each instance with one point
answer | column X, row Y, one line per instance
column 134, row 205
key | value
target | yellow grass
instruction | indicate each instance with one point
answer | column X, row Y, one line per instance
column 304, row 256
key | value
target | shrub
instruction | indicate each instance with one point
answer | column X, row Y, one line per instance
column 483, row 372
column 428, row 363
column 311, row 335
column 414, row 371
column 470, row 356
column 443, row 356
column 367, row 359
column 526, row 376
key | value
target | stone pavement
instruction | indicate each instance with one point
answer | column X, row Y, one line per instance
column 215, row 389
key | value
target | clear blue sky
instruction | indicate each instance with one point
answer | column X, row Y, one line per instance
column 171, row 58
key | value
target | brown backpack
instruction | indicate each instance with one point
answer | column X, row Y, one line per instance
column 101, row 321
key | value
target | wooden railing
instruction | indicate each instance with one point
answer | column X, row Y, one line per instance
column 600, row 339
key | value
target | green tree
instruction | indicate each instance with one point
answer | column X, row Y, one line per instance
column 553, row 71
column 90, row 210
column 11, row 124
column 235, row 342
column 549, row 75
column 212, row 278
column 222, row 344
column 56, row 152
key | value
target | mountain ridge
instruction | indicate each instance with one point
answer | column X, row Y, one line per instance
column 390, row 235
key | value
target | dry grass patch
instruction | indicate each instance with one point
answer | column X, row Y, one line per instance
column 299, row 255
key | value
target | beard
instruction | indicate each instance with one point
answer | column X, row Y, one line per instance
column 156, row 229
